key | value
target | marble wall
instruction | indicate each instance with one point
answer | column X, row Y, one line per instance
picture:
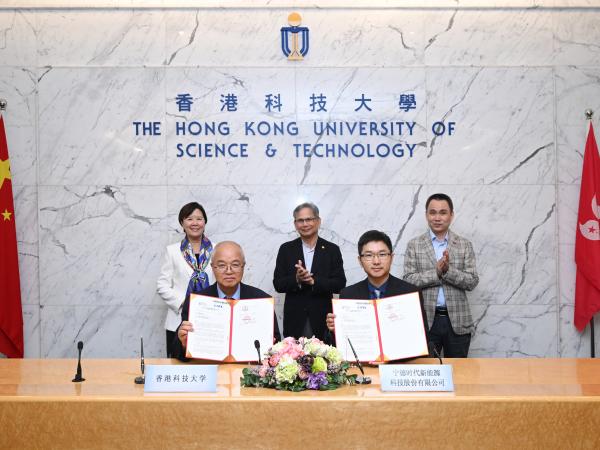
column 96, row 205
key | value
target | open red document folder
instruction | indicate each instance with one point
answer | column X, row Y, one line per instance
column 381, row 330
column 225, row 329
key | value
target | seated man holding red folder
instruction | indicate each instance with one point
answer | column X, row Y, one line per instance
column 228, row 263
column 375, row 255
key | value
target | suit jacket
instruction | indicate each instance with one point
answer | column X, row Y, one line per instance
column 246, row 292
column 172, row 283
column 304, row 300
column 419, row 269
column 395, row 286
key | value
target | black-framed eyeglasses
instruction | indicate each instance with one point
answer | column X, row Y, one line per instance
column 308, row 220
column 234, row 267
column 372, row 256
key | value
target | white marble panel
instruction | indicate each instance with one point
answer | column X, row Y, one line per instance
column 577, row 89
column 568, row 205
column 384, row 127
column 506, row 331
column 22, row 153
column 208, row 37
column 577, row 36
column 86, row 130
column 488, row 37
column 17, row 38
column 209, row 89
column 101, row 37
column 17, row 87
column 26, row 214
column 364, row 37
column 570, row 147
column 106, row 332
column 567, row 273
column 574, row 344
column 101, row 245
column 512, row 229
column 504, row 126
column 32, row 331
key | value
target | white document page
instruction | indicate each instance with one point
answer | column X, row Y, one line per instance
column 355, row 319
column 210, row 318
column 401, row 326
column 252, row 320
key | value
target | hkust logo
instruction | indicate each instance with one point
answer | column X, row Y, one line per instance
column 294, row 39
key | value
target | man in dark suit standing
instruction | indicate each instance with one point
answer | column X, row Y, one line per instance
column 309, row 270
column 228, row 263
column 375, row 255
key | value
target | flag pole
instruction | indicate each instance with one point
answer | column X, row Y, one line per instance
column 588, row 115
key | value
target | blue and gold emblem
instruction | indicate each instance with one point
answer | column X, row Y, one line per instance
column 291, row 37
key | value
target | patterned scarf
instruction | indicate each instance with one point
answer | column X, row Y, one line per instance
column 199, row 279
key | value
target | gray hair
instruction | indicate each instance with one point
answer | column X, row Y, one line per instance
column 308, row 205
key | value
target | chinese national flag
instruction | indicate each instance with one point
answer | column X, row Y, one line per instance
column 587, row 242
column 11, row 318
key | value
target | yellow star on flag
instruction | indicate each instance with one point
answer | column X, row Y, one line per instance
column 4, row 172
column 6, row 214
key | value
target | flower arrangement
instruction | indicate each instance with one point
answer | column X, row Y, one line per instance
column 297, row 365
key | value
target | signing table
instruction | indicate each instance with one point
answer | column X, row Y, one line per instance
column 533, row 403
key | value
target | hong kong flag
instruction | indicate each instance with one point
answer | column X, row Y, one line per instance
column 587, row 242
column 11, row 318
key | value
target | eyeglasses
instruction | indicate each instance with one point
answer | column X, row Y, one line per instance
column 372, row 256
column 308, row 220
column 234, row 267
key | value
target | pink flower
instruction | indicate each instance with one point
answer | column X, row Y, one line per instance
column 274, row 359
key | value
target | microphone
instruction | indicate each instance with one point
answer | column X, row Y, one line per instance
column 78, row 378
column 257, row 347
column 435, row 352
column 141, row 379
column 363, row 379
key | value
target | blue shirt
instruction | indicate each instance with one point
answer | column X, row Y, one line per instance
column 235, row 296
column 374, row 291
column 438, row 247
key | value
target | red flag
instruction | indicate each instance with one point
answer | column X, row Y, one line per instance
column 587, row 242
column 11, row 317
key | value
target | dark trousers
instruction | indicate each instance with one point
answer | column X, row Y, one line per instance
column 442, row 336
column 171, row 335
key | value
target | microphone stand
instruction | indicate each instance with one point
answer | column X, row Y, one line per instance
column 436, row 353
column 141, row 379
column 78, row 378
column 360, row 379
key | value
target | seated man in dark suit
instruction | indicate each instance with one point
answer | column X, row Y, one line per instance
column 375, row 255
column 228, row 263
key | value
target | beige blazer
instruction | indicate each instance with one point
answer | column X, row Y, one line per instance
column 419, row 269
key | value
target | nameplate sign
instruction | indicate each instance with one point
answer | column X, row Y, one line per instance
column 416, row 377
column 181, row 378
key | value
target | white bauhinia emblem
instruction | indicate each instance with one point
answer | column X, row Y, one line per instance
column 591, row 229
